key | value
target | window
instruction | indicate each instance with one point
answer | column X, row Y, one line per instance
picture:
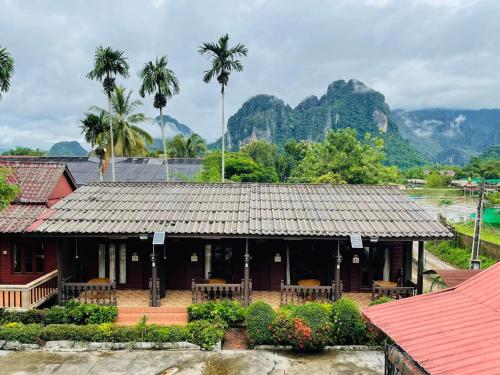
column 28, row 258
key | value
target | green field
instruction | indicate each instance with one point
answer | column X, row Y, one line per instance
column 434, row 193
column 489, row 233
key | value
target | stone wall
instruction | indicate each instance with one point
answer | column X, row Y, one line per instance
column 487, row 248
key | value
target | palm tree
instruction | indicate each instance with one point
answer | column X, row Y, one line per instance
column 6, row 70
column 108, row 63
column 182, row 147
column 95, row 132
column 130, row 139
column 224, row 60
column 159, row 79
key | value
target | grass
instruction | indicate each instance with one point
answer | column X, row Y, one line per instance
column 457, row 256
column 489, row 233
column 434, row 193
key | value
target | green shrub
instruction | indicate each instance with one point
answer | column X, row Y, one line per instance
column 260, row 315
column 205, row 333
column 460, row 257
column 28, row 334
column 229, row 312
column 348, row 324
column 380, row 300
column 55, row 315
column 90, row 313
column 55, row 332
column 156, row 333
column 24, row 317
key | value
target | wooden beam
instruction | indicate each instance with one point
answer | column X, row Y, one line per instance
column 420, row 268
column 246, row 277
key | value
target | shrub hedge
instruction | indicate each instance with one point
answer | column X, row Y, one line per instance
column 260, row 315
column 71, row 313
column 380, row 300
column 348, row 325
column 203, row 333
column 228, row 312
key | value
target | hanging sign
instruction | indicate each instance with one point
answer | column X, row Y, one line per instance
column 159, row 238
column 356, row 241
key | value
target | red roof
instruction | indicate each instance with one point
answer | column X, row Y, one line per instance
column 17, row 217
column 453, row 331
column 453, row 277
column 36, row 180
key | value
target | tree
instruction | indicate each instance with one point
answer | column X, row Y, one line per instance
column 25, row 151
column 224, row 60
column 109, row 63
column 130, row 139
column 159, row 79
column 95, row 132
column 6, row 70
column 8, row 191
column 186, row 147
column 239, row 168
column 342, row 158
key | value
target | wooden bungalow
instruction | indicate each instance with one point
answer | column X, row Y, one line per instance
column 28, row 265
column 234, row 240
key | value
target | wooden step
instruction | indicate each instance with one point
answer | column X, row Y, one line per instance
column 155, row 315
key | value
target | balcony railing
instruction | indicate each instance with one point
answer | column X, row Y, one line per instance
column 219, row 292
column 30, row 295
column 102, row 294
column 395, row 292
column 296, row 294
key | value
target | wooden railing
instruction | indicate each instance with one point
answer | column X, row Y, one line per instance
column 395, row 292
column 30, row 295
column 294, row 294
column 154, row 300
column 102, row 294
column 219, row 292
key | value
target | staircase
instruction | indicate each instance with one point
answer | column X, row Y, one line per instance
column 128, row 316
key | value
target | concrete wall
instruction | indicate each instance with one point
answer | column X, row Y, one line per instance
column 488, row 248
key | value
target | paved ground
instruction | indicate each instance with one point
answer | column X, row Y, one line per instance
column 252, row 362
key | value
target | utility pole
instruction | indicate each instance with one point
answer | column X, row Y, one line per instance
column 475, row 262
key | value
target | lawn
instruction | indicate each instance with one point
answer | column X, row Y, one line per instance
column 457, row 256
column 489, row 232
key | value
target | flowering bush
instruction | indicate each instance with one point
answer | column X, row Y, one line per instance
column 348, row 325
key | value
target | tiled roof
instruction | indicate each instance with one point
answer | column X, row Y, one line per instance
column 17, row 217
column 453, row 277
column 454, row 331
column 242, row 209
column 85, row 170
column 36, row 180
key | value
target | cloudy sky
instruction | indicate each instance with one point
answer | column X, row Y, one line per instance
column 421, row 53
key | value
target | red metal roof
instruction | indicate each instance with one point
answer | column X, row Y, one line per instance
column 453, row 331
column 454, row 277
column 36, row 180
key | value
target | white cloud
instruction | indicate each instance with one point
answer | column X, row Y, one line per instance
column 418, row 53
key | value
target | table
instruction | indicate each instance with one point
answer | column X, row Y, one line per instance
column 216, row 281
column 385, row 284
column 309, row 282
column 98, row 280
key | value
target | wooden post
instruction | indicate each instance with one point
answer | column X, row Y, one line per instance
column 420, row 268
column 338, row 260
column 246, row 280
column 154, row 284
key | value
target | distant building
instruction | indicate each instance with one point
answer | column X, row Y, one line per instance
column 85, row 169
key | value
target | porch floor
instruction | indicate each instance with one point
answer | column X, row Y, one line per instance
column 182, row 298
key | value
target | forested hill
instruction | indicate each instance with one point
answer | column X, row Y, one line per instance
column 450, row 136
column 345, row 104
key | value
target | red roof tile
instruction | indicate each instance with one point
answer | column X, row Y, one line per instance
column 454, row 277
column 17, row 217
column 454, row 331
column 36, row 180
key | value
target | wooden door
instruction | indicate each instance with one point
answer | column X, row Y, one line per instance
column 260, row 269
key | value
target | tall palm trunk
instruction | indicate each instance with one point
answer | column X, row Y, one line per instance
column 222, row 138
column 164, row 145
column 112, row 139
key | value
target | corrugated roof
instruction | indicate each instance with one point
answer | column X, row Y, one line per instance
column 85, row 170
column 243, row 209
column 454, row 331
column 37, row 181
column 17, row 217
column 454, row 277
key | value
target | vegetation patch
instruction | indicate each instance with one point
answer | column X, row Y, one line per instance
column 490, row 233
column 457, row 256
column 229, row 313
